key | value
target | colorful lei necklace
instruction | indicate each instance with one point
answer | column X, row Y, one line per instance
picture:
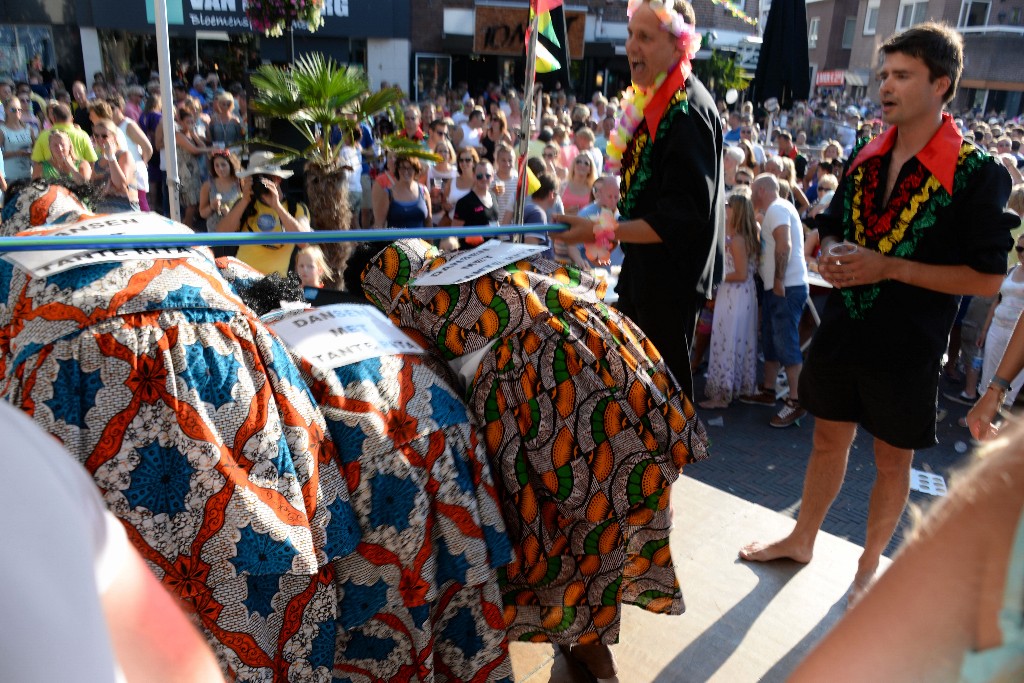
column 636, row 98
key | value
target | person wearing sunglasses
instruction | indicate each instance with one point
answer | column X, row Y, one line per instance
column 553, row 163
column 16, row 140
column 479, row 206
column 439, row 176
column 465, row 160
column 577, row 192
column 114, row 172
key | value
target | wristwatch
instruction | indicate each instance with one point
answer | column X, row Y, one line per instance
column 1001, row 385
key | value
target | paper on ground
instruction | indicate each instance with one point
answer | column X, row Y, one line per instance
column 927, row 482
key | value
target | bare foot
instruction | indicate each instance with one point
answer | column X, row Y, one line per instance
column 787, row 548
column 861, row 584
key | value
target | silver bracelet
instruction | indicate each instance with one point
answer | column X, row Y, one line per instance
column 998, row 381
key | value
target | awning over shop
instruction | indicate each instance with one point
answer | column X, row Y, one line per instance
column 859, row 78
column 830, row 79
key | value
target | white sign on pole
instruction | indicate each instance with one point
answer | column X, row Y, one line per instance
column 467, row 265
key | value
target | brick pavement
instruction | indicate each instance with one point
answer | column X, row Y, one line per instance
column 765, row 465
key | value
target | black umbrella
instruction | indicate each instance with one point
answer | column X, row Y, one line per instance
column 783, row 67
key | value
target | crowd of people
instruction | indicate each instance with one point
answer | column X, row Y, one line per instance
column 499, row 467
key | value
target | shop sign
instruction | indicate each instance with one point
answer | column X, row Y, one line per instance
column 502, row 31
column 224, row 14
column 830, row 79
column 342, row 18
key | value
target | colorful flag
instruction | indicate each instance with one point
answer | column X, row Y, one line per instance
column 550, row 27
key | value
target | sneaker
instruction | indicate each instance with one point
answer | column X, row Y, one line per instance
column 961, row 398
column 765, row 397
column 790, row 414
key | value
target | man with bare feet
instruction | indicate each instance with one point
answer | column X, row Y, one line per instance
column 917, row 220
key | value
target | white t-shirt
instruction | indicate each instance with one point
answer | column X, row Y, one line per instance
column 141, row 171
column 470, row 136
column 66, row 550
column 759, row 155
column 781, row 213
column 351, row 157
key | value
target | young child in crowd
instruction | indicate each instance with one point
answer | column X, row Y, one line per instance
column 732, row 367
column 312, row 269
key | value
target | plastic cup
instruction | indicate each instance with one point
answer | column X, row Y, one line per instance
column 842, row 249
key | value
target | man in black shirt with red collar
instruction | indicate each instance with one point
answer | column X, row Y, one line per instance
column 917, row 220
column 672, row 228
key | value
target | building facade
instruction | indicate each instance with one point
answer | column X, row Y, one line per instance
column 993, row 80
column 480, row 42
column 80, row 37
column 420, row 45
column 831, row 30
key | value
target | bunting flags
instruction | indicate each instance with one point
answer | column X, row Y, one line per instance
column 735, row 10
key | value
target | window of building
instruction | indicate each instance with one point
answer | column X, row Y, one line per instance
column 848, row 30
column 911, row 13
column 23, row 47
column 974, row 13
column 812, row 32
column 871, row 17
column 433, row 74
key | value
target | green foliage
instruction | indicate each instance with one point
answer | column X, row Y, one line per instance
column 721, row 72
column 316, row 95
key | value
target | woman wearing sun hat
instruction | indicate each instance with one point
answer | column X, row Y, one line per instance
column 262, row 208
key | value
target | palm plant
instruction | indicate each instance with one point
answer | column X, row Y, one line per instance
column 317, row 96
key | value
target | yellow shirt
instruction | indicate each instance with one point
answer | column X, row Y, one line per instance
column 268, row 258
column 80, row 144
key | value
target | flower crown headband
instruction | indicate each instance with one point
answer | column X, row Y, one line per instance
column 687, row 38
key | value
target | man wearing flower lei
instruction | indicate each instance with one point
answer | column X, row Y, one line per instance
column 917, row 220
column 669, row 148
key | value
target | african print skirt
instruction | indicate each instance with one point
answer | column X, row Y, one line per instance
column 206, row 444
column 419, row 597
column 585, row 429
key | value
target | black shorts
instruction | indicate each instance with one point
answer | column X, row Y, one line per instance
column 894, row 404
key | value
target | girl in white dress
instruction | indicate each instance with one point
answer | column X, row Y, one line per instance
column 732, row 368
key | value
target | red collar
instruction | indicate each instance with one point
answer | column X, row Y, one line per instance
column 655, row 109
column 939, row 156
